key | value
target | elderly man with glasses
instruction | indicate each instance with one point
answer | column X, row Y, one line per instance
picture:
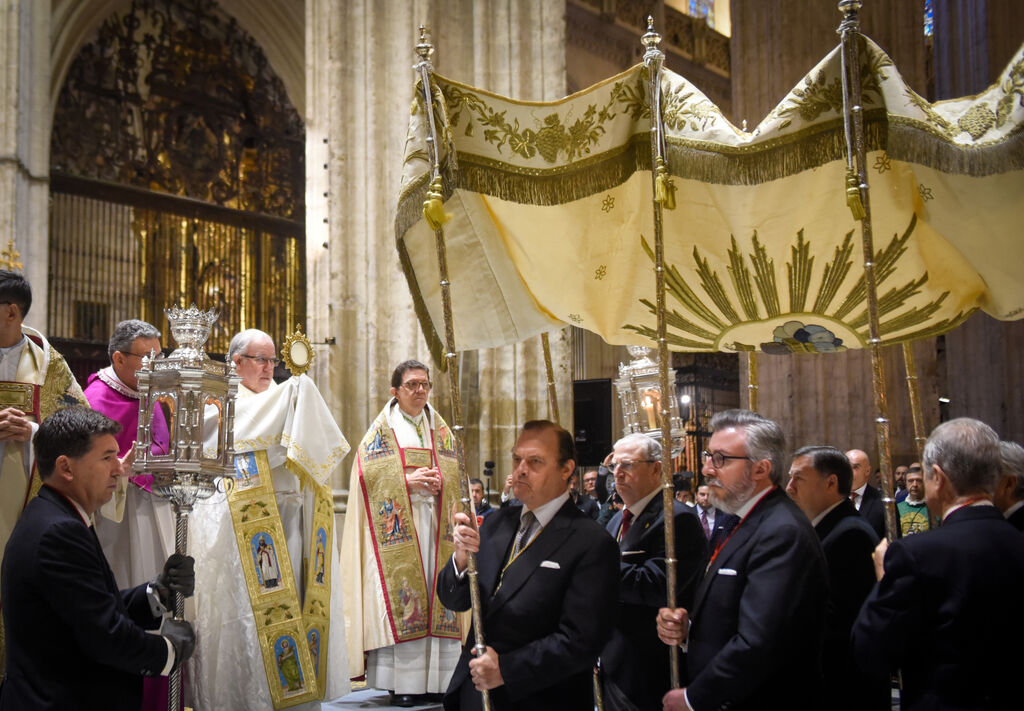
column 754, row 632
column 267, row 546
column 634, row 663
column 398, row 535
column 255, row 357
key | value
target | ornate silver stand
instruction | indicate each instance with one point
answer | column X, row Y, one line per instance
column 199, row 394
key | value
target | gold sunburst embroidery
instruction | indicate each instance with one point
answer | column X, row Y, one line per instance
column 752, row 275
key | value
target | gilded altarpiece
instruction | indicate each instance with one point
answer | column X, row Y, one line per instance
column 177, row 176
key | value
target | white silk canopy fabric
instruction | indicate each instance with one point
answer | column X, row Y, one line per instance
column 552, row 215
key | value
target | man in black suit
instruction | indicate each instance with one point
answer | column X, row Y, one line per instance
column 584, row 502
column 866, row 498
column 715, row 523
column 634, row 663
column 73, row 640
column 548, row 579
column 1009, row 496
column 819, row 483
column 932, row 613
column 754, row 633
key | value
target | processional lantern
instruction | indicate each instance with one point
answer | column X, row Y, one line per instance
column 198, row 394
column 639, row 391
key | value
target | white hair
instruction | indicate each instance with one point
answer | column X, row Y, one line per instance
column 242, row 340
column 649, row 447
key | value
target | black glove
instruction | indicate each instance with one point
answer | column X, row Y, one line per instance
column 182, row 637
column 179, row 575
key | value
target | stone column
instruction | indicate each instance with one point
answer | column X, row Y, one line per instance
column 359, row 91
column 25, row 141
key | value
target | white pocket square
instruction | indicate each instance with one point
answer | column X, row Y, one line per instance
column 551, row 564
column 726, row 571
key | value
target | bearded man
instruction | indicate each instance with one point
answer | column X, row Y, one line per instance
column 755, row 630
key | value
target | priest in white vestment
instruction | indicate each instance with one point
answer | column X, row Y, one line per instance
column 397, row 537
column 35, row 382
column 269, row 615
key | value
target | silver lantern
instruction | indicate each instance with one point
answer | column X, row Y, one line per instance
column 640, row 395
column 198, row 394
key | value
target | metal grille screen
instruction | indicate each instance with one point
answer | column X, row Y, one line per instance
column 111, row 261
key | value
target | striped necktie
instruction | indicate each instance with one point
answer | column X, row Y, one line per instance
column 526, row 526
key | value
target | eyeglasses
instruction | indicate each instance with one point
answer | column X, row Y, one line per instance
column 717, row 458
column 627, row 464
column 262, row 360
column 158, row 354
column 415, row 385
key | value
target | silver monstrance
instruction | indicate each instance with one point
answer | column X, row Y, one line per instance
column 195, row 391
column 639, row 391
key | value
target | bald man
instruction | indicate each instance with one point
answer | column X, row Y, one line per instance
column 866, row 498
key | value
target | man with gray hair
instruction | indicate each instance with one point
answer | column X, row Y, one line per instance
column 634, row 664
column 114, row 390
column 931, row 615
column 255, row 358
column 136, row 528
column 754, row 633
column 1009, row 496
column 270, row 535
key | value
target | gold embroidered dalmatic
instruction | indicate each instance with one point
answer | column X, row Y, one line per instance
column 389, row 598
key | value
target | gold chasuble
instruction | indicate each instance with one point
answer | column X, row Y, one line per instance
column 389, row 596
column 40, row 384
column 267, row 572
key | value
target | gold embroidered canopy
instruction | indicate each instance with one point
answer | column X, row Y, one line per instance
column 552, row 219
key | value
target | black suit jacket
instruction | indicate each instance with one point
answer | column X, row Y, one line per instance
column 587, row 504
column 757, row 622
column 945, row 614
column 848, row 541
column 73, row 640
column 724, row 523
column 547, row 617
column 1017, row 519
column 634, row 659
column 872, row 509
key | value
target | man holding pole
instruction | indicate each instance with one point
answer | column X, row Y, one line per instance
column 543, row 569
column 397, row 536
column 754, row 633
column 634, row 663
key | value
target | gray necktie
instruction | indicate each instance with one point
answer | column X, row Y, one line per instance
column 526, row 525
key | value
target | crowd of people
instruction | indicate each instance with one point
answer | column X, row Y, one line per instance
column 787, row 592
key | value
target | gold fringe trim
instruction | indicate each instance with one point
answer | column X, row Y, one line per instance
column 482, row 176
column 761, row 164
column 903, row 139
column 912, row 142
